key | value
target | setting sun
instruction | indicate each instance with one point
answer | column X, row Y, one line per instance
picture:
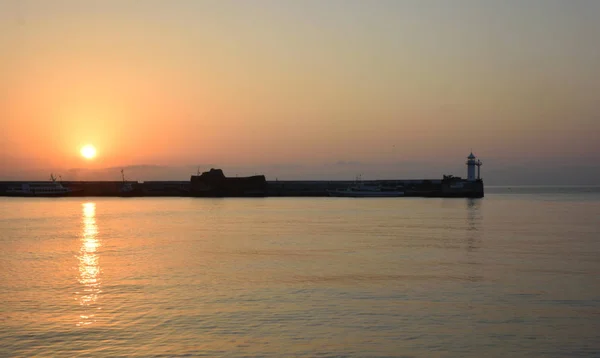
column 88, row 151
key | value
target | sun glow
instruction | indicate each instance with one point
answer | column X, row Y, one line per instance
column 88, row 151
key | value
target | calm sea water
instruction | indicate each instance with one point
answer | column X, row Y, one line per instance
column 514, row 274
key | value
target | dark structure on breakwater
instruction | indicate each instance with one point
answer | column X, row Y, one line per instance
column 214, row 183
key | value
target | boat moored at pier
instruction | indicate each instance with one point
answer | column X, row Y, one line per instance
column 41, row 189
column 363, row 190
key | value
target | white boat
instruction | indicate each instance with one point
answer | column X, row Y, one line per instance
column 52, row 188
column 361, row 190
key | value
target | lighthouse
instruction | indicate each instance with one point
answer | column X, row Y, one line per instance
column 473, row 162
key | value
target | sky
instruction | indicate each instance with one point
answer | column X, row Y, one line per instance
column 301, row 89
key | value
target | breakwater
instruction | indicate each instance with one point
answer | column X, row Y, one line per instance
column 282, row 188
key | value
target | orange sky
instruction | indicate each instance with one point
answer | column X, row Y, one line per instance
column 265, row 83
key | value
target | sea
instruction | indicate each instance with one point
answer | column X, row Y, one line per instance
column 514, row 274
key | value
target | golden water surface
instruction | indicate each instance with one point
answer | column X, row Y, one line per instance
column 507, row 275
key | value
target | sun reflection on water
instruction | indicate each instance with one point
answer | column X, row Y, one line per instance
column 89, row 268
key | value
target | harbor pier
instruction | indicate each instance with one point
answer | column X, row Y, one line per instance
column 214, row 183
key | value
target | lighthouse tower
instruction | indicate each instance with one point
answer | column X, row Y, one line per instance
column 473, row 162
